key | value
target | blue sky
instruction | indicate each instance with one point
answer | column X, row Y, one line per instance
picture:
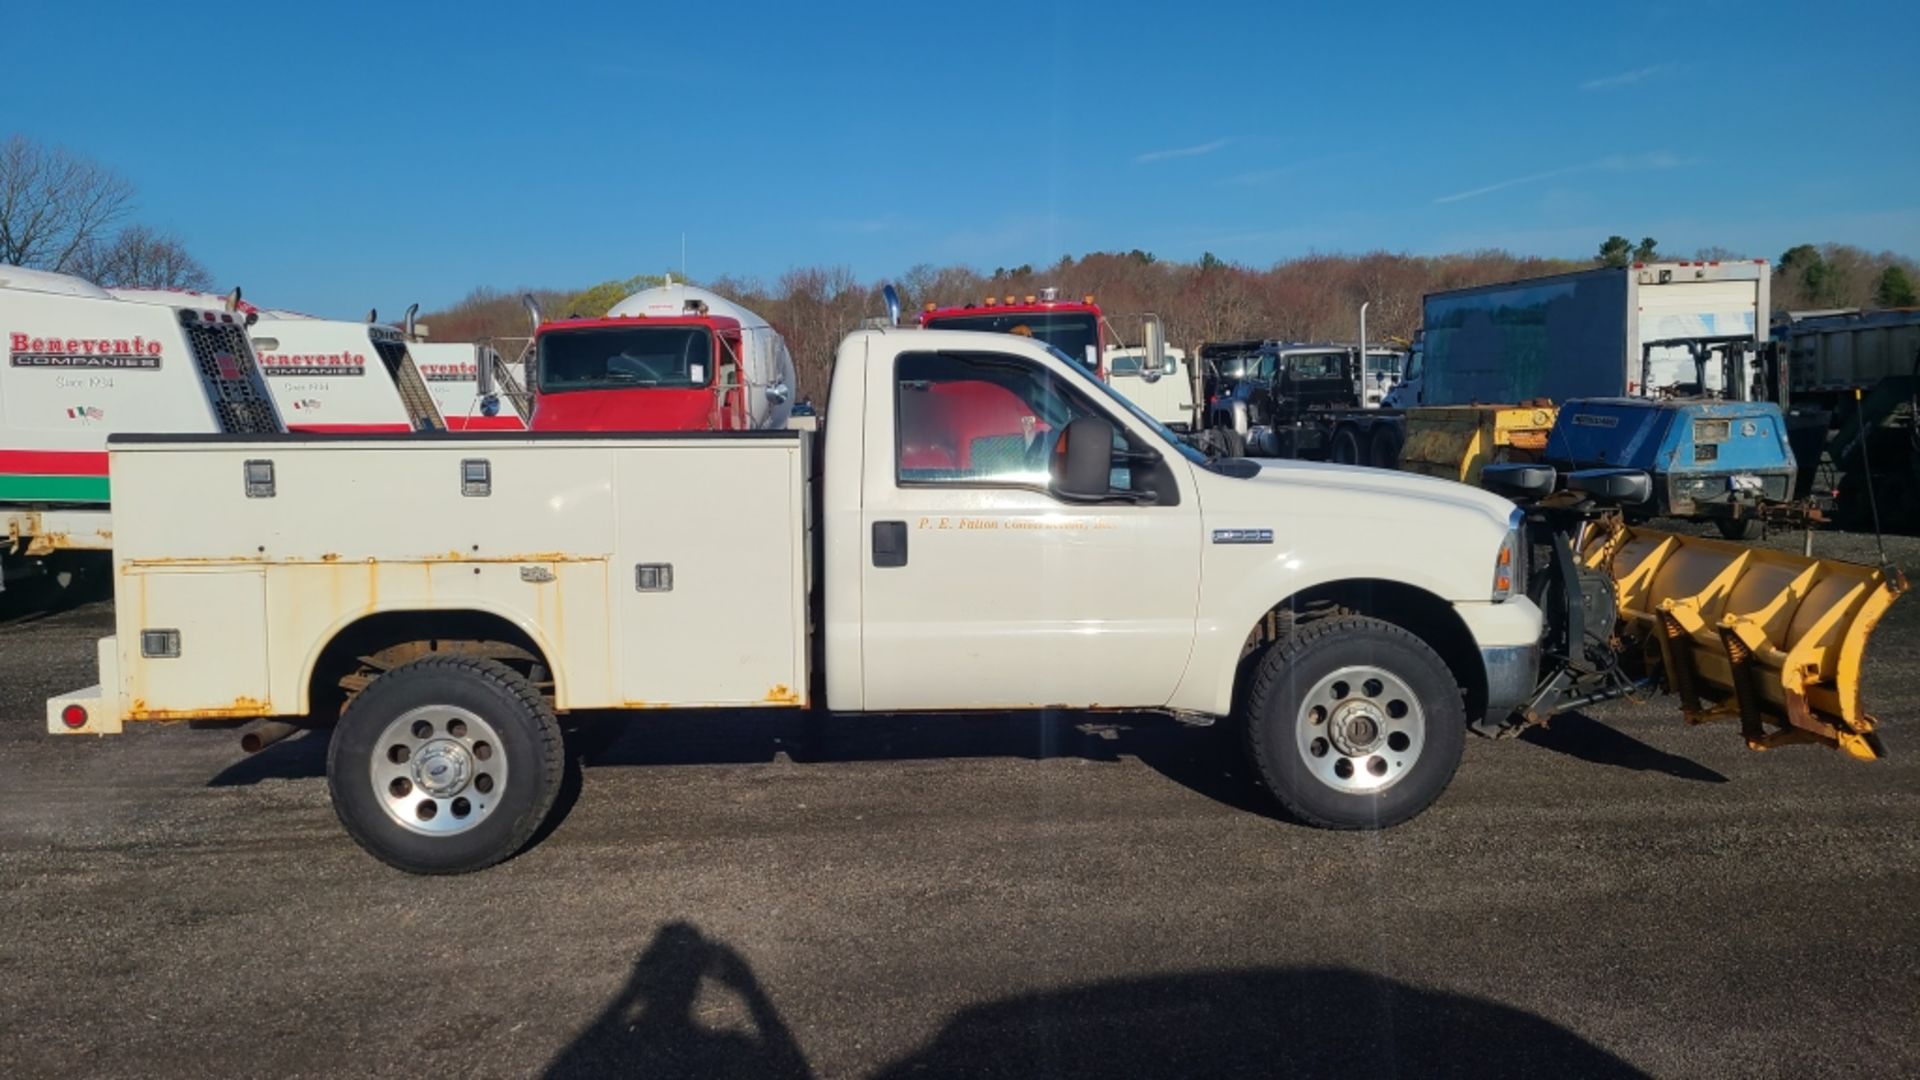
column 333, row 157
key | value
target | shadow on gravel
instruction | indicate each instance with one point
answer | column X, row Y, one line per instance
column 1254, row 1022
column 1590, row 740
column 1200, row 759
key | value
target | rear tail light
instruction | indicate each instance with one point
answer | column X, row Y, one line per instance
column 74, row 716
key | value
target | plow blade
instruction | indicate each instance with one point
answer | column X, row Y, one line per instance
column 1770, row 638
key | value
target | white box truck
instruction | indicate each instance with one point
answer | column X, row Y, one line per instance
column 1584, row 334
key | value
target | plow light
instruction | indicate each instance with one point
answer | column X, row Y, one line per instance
column 74, row 716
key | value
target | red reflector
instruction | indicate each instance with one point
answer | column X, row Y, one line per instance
column 74, row 716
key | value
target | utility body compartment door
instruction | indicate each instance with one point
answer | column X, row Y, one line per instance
column 978, row 588
column 193, row 642
column 709, row 576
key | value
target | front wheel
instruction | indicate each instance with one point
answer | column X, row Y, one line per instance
column 445, row 765
column 1354, row 723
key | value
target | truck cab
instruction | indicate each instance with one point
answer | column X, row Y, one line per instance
column 1076, row 328
column 671, row 358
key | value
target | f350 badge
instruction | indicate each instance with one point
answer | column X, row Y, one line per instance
column 1243, row 536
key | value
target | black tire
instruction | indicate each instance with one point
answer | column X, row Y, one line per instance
column 1384, row 451
column 1735, row 528
column 1277, row 711
column 1346, row 447
column 1235, row 444
column 530, row 749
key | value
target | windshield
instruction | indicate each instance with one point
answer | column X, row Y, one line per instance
column 1321, row 365
column 1383, row 363
column 1071, row 332
column 604, row 358
column 1166, row 435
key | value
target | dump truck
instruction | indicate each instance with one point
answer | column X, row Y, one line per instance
column 669, row 358
column 82, row 365
column 1852, row 383
column 987, row 526
column 1313, row 400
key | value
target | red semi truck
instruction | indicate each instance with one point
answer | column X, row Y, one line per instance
column 1074, row 327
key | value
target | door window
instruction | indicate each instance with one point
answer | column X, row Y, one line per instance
column 983, row 419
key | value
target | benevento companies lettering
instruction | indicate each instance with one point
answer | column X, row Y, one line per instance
column 117, row 354
column 313, row 364
column 449, row 372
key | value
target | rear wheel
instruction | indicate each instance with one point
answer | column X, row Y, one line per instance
column 1354, row 723
column 1346, row 447
column 1735, row 528
column 445, row 765
column 1232, row 443
column 1384, row 451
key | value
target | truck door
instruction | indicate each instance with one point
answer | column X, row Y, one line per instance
column 980, row 589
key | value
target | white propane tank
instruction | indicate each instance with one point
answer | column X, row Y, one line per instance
column 768, row 365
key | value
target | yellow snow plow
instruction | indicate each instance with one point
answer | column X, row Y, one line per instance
column 1770, row 638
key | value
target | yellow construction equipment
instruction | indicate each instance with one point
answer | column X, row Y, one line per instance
column 1455, row 442
column 1770, row 638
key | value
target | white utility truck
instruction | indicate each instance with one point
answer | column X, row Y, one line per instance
column 81, row 365
column 998, row 530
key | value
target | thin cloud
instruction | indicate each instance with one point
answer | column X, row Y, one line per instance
column 1625, row 78
column 1180, row 152
column 1612, row 163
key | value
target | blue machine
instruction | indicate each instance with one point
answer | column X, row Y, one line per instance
column 1708, row 459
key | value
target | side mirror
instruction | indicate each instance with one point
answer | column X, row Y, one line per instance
column 1154, row 337
column 777, row 394
column 483, row 376
column 892, row 297
column 1082, row 465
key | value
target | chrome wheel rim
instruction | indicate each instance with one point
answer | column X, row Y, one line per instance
column 439, row 770
column 1360, row 729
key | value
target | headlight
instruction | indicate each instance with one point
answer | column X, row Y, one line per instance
column 1510, row 564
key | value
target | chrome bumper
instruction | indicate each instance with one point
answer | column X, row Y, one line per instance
column 1513, row 673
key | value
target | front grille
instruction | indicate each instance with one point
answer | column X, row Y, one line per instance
column 235, row 388
column 414, row 395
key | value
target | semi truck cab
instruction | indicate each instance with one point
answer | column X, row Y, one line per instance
column 1076, row 328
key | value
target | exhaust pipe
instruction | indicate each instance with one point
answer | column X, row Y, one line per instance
column 408, row 322
column 268, row 733
column 533, row 309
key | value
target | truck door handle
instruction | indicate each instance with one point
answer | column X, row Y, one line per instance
column 889, row 543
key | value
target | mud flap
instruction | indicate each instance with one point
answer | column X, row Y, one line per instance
column 1771, row 639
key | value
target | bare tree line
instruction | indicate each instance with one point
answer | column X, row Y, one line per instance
column 63, row 212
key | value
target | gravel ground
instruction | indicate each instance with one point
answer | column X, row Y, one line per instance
column 1019, row 896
